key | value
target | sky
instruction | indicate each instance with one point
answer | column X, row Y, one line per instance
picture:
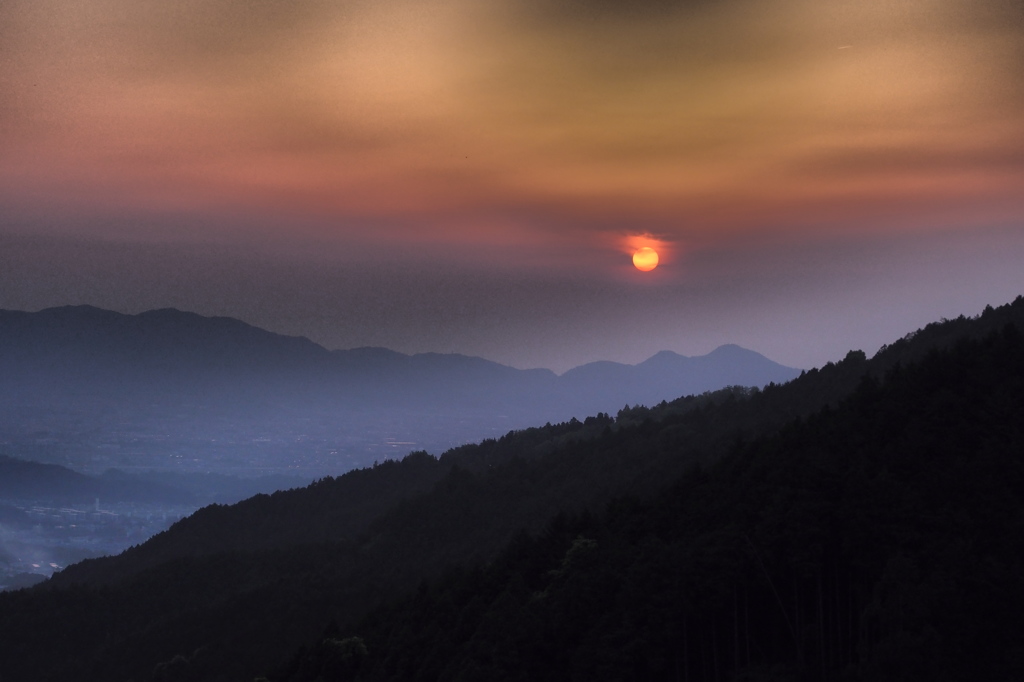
column 473, row 176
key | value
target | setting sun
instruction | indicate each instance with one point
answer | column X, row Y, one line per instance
column 645, row 259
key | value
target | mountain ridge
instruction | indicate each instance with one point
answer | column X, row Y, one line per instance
column 223, row 383
column 745, row 416
column 169, row 320
column 743, row 472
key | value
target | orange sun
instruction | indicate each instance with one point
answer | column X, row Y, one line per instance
column 645, row 259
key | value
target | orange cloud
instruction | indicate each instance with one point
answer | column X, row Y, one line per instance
column 494, row 121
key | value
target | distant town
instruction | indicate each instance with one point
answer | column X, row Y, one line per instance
column 42, row 539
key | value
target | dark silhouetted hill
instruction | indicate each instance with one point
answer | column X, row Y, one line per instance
column 862, row 521
column 877, row 540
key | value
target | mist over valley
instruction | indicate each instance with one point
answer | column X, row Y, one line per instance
column 174, row 391
column 114, row 426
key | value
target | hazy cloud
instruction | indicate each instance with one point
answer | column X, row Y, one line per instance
column 520, row 136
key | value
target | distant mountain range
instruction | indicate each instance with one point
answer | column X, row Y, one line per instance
column 172, row 389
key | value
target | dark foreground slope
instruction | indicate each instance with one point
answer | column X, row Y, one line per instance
column 773, row 556
column 576, row 464
column 882, row 540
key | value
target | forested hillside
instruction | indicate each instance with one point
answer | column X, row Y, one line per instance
column 881, row 540
column 860, row 522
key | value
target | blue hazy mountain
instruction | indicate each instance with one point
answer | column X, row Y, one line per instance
column 668, row 375
column 167, row 389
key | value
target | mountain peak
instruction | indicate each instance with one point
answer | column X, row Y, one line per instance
column 731, row 349
column 665, row 355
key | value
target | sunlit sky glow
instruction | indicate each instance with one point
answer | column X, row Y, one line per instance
column 474, row 175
